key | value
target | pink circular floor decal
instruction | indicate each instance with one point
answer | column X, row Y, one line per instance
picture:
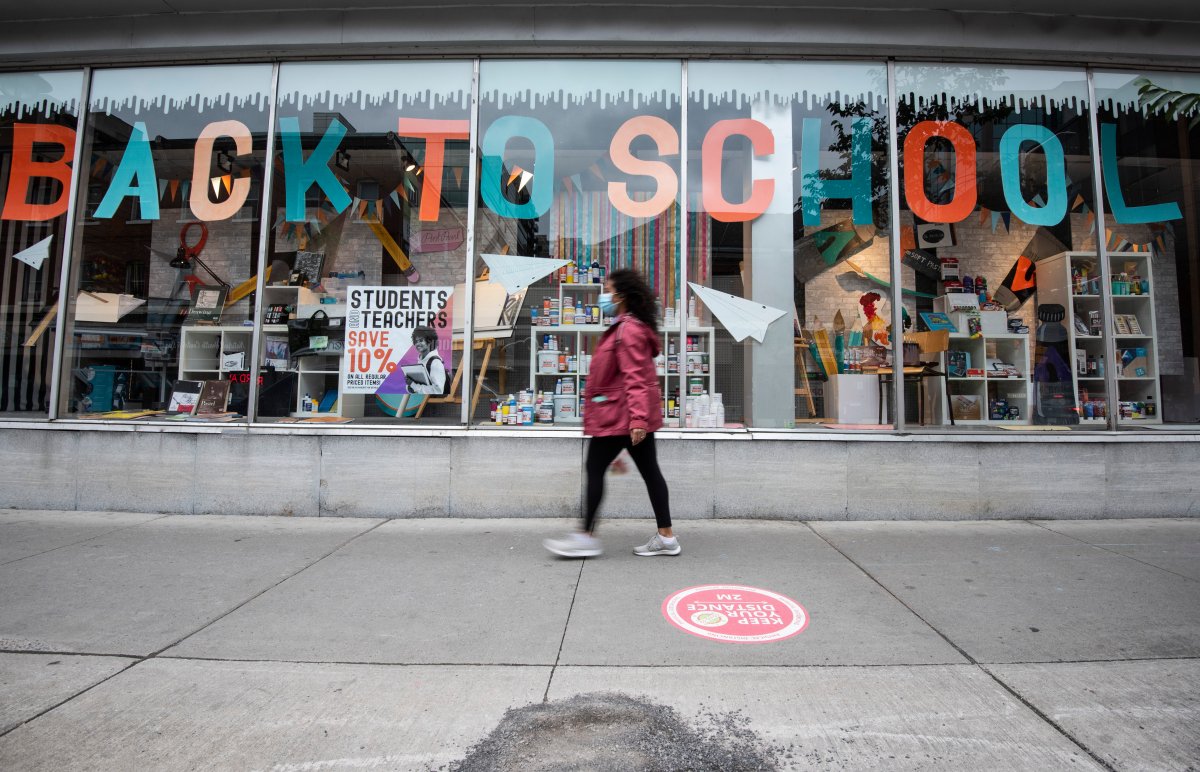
column 735, row 614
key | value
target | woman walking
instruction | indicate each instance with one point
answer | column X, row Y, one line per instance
column 623, row 409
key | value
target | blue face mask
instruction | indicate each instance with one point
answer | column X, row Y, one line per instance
column 607, row 306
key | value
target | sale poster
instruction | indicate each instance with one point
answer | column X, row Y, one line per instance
column 397, row 340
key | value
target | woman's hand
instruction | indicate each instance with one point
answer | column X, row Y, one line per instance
column 636, row 436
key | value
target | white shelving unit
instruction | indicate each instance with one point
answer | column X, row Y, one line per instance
column 1012, row 348
column 202, row 347
column 582, row 339
column 1055, row 285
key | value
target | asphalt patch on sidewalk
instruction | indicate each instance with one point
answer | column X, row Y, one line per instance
column 606, row 731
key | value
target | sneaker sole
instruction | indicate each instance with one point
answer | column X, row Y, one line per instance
column 576, row 553
column 668, row 553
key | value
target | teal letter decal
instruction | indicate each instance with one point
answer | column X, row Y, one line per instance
column 134, row 177
column 814, row 190
column 1122, row 212
column 542, row 186
column 1056, row 174
column 299, row 175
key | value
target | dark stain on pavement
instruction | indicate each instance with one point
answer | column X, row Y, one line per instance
column 606, row 731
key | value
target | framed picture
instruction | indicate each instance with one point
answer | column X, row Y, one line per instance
column 208, row 303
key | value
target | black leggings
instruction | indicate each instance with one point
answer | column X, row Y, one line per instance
column 601, row 452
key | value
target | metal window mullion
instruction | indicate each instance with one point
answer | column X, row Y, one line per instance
column 264, row 231
column 467, row 382
column 74, row 201
column 1111, row 397
column 897, row 290
column 684, row 257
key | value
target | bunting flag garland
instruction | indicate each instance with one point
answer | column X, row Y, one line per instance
column 525, row 178
column 517, row 171
column 1007, row 218
column 984, row 213
column 1077, row 203
column 458, row 175
column 216, row 185
column 395, row 197
column 595, row 169
column 227, row 182
column 162, row 188
column 1091, row 221
column 174, row 185
column 995, row 220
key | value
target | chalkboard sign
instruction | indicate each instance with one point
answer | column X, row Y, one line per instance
column 922, row 262
column 309, row 265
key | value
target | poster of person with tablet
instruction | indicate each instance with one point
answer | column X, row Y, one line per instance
column 398, row 340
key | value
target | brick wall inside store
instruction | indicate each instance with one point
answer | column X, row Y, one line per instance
column 982, row 252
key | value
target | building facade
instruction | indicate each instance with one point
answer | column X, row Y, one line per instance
column 909, row 263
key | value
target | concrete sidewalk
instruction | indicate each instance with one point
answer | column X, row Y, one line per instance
column 132, row 641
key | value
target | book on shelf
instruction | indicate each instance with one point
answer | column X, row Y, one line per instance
column 214, row 398
column 185, row 396
column 957, row 363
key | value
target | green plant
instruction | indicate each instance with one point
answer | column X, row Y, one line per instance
column 1176, row 104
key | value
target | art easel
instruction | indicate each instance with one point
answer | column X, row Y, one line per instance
column 491, row 323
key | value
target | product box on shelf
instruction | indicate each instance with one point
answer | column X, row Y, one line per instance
column 565, row 408
column 953, row 301
column 547, row 362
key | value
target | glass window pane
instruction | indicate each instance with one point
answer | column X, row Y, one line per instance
column 1150, row 163
column 38, row 116
column 580, row 163
column 787, row 177
column 999, row 246
column 166, row 246
column 369, row 230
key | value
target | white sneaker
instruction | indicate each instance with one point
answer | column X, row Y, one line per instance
column 575, row 545
column 659, row 545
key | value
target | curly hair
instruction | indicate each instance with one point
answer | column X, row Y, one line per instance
column 637, row 295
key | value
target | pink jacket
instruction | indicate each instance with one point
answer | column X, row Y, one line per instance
column 622, row 385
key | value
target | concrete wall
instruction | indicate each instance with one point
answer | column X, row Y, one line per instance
column 459, row 473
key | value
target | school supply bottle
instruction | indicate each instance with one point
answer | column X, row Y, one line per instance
column 307, row 404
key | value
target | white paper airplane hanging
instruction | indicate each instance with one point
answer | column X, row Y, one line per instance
column 34, row 256
column 516, row 272
column 740, row 316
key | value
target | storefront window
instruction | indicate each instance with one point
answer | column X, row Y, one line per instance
column 787, row 180
column 579, row 171
column 999, row 248
column 1149, row 148
column 166, row 244
column 362, row 316
column 38, row 117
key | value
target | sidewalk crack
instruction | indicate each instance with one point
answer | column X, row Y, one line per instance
column 562, row 640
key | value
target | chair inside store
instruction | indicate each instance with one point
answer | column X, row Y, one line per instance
column 922, row 358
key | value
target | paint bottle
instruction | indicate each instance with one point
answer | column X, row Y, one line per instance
column 307, row 405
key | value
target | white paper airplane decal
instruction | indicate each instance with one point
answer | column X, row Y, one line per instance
column 517, row 272
column 34, row 256
column 740, row 316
